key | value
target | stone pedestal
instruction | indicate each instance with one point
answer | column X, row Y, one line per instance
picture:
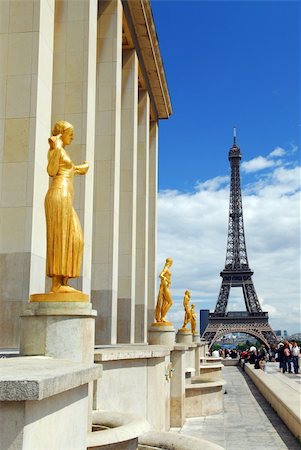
column 59, row 329
column 64, row 330
column 184, row 337
column 161, row 335
column 196, row 338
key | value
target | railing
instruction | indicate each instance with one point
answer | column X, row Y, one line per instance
column 239, row 314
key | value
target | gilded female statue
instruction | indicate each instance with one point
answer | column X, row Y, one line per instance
column 187, row 317
column 193, row 319
column 164, row 301
column 64, row 233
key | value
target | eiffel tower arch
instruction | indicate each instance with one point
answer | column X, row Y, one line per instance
column 237, row 273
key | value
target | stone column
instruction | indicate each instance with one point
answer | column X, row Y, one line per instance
column 177, row 391
column 107, row 171
column 152, row 221
column 74, row 92
column 142, row 218
column 128, row 200
column 197, row 356
column 26, row 56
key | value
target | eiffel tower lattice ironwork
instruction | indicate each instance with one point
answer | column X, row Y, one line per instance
column 237, row 273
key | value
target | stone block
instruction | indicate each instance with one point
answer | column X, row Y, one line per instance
column 204, row 399
column 184, row 337
column 208, row 372
column 44, row 403
column 161, row 335
column 61, row 330
column 135, row 380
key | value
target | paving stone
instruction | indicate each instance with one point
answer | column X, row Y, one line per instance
column 248, row 422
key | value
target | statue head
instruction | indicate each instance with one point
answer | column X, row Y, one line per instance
column 192, row 306
column 169, row 261
column 65, row 129
column 187, row 293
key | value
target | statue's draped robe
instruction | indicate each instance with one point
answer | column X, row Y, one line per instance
column 64, row 233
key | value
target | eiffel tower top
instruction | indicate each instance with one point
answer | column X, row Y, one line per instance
column 236, row 255
column 234, row 150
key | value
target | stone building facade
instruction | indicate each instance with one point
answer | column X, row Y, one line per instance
column 97, row 65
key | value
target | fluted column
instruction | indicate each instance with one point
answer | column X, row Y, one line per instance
column 142, row 218
column 73, row 100
column 107, row 171
column 128, row 200
column 152, row 221
column 26, row 55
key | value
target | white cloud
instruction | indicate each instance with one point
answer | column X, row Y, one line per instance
column 255, row 164
column 213, row 184
column 278, row 151
column 193, row 231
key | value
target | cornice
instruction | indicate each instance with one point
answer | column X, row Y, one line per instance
column 148, row 49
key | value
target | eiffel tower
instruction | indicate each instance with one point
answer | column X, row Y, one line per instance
column 237, row 273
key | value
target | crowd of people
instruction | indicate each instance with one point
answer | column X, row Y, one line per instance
column 287, row 353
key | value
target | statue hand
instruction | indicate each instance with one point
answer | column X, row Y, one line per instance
column 53, row 141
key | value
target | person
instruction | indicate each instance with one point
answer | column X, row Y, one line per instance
column 272, row 352
column 262, row 363
column 215, row 354
column 280, row 356
column 233, row 353
column 164, row 300
column 295, row 356
column 187, row 317
column 263, row 353
column 287, row 367
column 193, row 319
column 244, row 357
column 64, row 233
column 252, row 355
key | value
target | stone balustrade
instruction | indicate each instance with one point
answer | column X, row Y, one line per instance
column 38, row 396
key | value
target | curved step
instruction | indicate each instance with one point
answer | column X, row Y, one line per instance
column 120, row 428
column 174, row 441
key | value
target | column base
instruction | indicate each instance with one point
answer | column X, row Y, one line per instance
column 58, row 329
column 184, row 337
column 76, row 296
column 196, row 338
column 161, row 335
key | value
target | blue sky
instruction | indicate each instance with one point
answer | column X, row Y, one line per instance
column 231, row 63
column 226, row 63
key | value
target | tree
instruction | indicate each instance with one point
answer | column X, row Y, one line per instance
column 215, row 347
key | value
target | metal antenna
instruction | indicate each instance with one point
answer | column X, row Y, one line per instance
column 234, row 135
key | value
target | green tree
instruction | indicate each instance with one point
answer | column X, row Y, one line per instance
column 215, row 347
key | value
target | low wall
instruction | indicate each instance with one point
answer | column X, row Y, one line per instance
column 283, row 395
column 135, row 380
column 204, row 399
column 230, row 361
column 44, row 403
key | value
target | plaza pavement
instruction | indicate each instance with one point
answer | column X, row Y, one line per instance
column 248, row 421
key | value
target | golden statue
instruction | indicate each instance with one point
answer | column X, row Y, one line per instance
column 193, row 319
column 164, row 301
column 64, row 233
column 187, row 317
